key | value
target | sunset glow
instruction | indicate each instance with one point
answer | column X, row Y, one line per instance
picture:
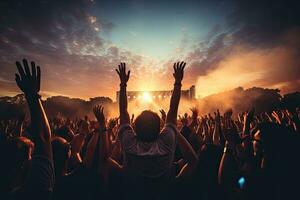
column 219, row 41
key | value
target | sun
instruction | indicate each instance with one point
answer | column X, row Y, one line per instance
column 147, row 97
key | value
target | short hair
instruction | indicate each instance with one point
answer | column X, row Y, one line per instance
column 147, row 126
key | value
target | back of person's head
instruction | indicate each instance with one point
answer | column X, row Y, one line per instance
column 65, row 133
column 209, row 160
column 19, row 150
column 16, row 156
column 274, row 137
column 61, row 153
column 147, row 126
column 278, row 145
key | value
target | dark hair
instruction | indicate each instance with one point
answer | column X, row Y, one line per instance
column 147, row 126
column 19, row 150
column 65, row 133
column 60, row 148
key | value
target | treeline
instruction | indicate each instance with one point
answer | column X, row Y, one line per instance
column 14, row 107
column 239, row 99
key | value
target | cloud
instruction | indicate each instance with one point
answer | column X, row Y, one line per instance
column 257, row 46
column 63, row 37
column 274, row 67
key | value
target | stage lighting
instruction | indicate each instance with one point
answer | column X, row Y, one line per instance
column 147, row 97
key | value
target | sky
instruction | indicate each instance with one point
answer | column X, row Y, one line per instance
column 79, row 43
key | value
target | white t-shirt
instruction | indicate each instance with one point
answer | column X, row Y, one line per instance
column 152, row 159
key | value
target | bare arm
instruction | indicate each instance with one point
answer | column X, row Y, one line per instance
column 228, row 168
column 178, row 75
column 246, row 131
column 217, row 130
column 194, row 122
column 29, row 83
column 40, row 182
column 103, row 146
column 124, row 77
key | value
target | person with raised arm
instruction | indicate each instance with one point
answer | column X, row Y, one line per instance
column 148, row 151
column 40, row 183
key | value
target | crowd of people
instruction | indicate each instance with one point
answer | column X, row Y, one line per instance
column 150, row 156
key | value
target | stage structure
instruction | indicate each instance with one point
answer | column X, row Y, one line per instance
column 156, row 96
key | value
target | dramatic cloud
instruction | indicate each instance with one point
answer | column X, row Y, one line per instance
column 259, row 46
column 275, row 67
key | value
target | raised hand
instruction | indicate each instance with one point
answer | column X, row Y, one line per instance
column 194, row 113
column 174, row 103
column 112, row 123
column 99, row 114
column 178, row 71
column 132, row 119
column 249, row 115
column 163, row 114
column 124, row 77
column 183, row 119
column 217, row 117
column 231, row 136
column 28, row 82
column 123, row 104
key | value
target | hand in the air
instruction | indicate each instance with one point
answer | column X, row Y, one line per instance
column 163, row 114
column 99, row 114
column 124, row 77
column 178, row 71
column 28, row 82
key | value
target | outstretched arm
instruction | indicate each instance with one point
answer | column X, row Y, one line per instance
column 40, row 182
column 217, row 129
column 29, row 83
column 178, row 75
column 124, row 77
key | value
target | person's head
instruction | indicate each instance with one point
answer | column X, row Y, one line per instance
column 61, row 153
column 272, row 142
column 65, row 133
column 20, row 150
column 147, row 126
column 209, row 160
column 16, row 156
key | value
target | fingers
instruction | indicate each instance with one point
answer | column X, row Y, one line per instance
column 26, row 74
column 26, row 67
column 98, row 109
column 118, row 71
column 20, row 69
column 179, row 66
column 38, row 78
column 121, row 68
column 182, row 65
column 33, row 69
column 128, row 75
